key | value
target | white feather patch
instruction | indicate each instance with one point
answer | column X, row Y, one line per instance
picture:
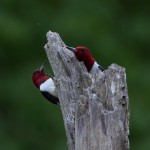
column 49, row 86
column 94, row 68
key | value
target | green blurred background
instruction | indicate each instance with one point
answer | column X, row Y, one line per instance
column 115, row 31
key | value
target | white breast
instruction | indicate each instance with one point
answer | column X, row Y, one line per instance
column 94, row 68
column 49, row 86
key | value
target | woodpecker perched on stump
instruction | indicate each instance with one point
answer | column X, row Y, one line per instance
column 46, row 85
column 83, row 54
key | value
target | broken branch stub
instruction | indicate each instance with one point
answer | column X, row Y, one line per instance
column 95, row 108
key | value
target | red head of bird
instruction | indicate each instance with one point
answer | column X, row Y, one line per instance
column 83, row 54
column 39, row 76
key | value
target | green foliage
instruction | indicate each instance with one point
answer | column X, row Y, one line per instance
column 115, row 31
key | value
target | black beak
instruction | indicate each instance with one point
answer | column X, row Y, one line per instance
column 71, row 49
column 42, row 66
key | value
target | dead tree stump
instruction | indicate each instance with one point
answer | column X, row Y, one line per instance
column 95, row 108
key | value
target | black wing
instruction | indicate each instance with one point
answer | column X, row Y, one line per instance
column 50, row 97
column 101, row 68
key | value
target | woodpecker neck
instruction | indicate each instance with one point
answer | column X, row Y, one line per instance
column 41, row 80
column 89, row 62
column 94, row 68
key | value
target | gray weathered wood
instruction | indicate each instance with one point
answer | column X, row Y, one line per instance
column 95, row 108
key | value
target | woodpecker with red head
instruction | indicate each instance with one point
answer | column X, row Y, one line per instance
column 46, row 85
column 83, row 54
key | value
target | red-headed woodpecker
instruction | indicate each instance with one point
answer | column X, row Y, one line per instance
column 46, row 85
column 83, row 54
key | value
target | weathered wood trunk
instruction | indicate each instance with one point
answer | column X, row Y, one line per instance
column 95, row 108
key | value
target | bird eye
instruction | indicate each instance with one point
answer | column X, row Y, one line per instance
column 83, row 50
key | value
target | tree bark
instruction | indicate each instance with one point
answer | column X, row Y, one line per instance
column 95, row 108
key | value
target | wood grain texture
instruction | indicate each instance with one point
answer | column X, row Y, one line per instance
column 95, row 108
